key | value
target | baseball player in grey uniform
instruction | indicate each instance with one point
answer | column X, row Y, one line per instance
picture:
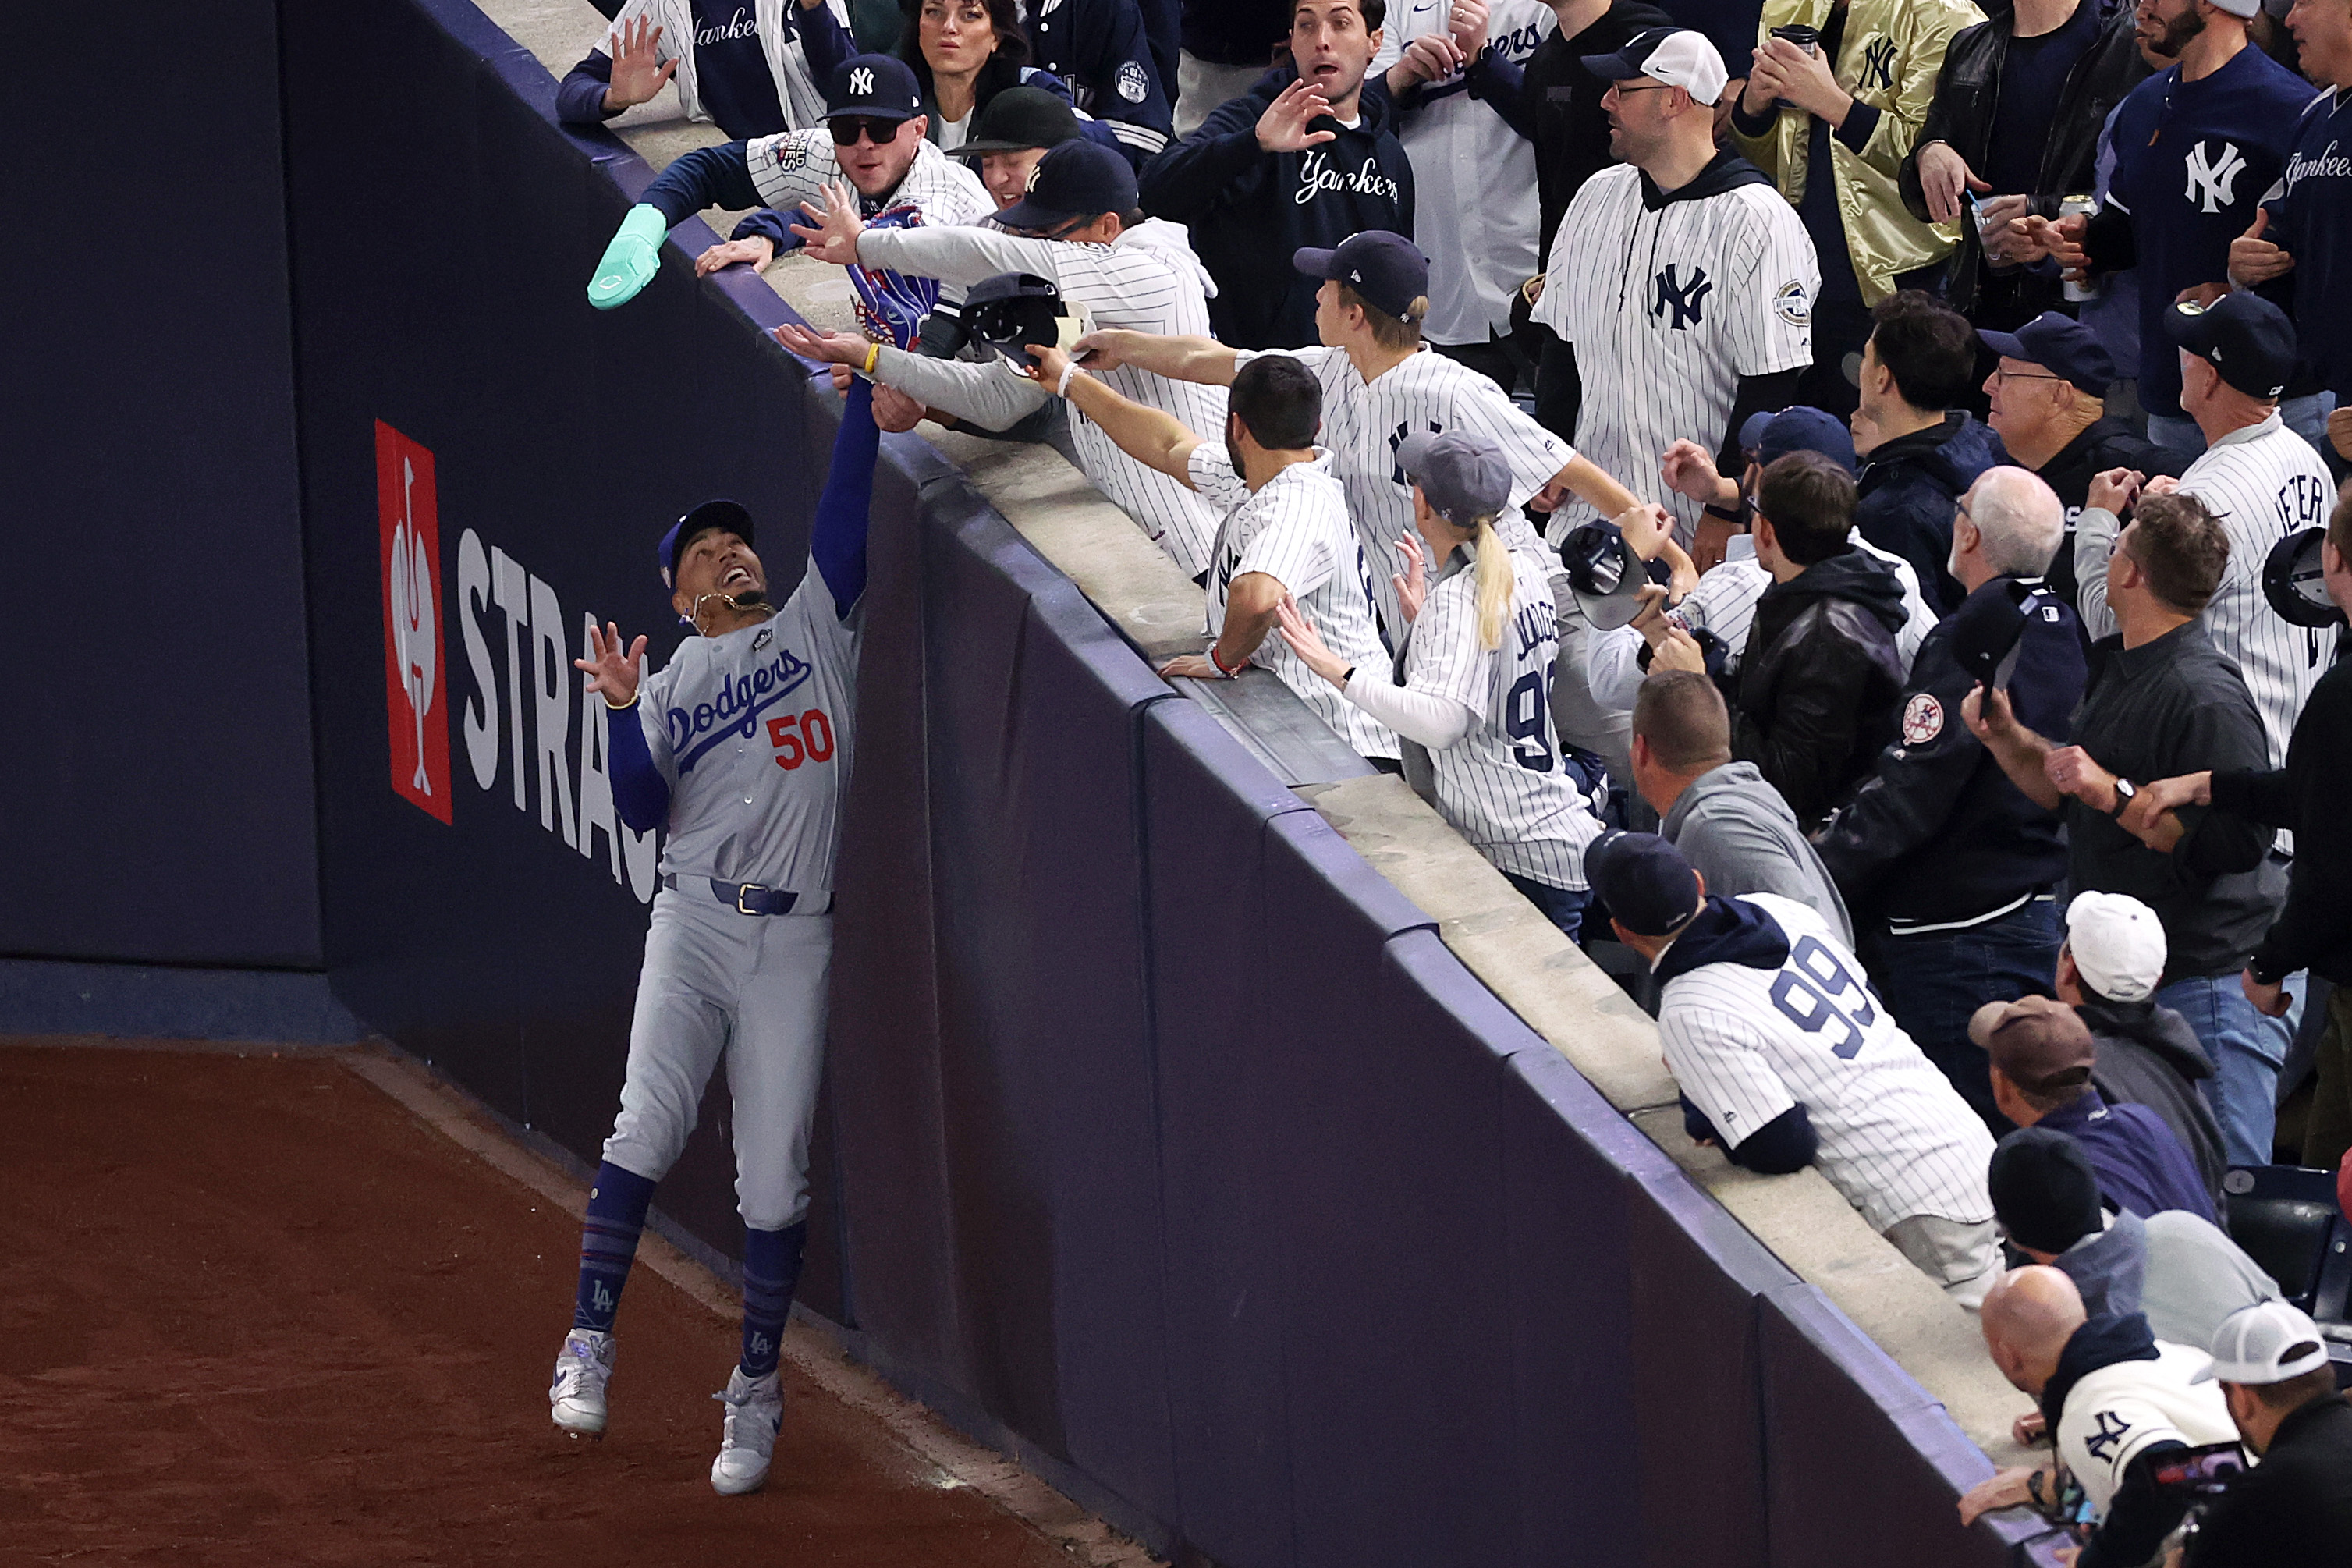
column 1681, row 285
column 740, row 745
column 1470, row 689
column 1787, row 1058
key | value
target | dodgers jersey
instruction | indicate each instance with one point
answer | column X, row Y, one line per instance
column 1364, row 423
column 1746, row 1043
column 1295, row 529
column 1148, row 281
column 753, row 733
column 1475, row 176
column 1668, row 300
column 1504, row 785
column 2264, row 483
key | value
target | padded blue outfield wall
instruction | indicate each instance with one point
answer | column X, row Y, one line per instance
column 1164, row 1144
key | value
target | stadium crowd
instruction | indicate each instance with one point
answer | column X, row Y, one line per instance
column 1840, row 499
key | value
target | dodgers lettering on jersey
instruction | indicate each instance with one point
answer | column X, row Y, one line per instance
column 1363, row 424
column 1474, row 177
column 752, row 731
column 1667, row 308
column 1746, row 1043
column 1505, row 785
column 1295, row 529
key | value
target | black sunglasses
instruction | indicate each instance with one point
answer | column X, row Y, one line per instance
column 847, row 128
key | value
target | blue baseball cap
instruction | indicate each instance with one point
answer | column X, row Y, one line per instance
column 876, row 85
column 1650, row 889
column 1077, row 179
column 2061, row 345
column 720, row 515
column 2245, row 337
column 1771, row 436
column 1385, row 268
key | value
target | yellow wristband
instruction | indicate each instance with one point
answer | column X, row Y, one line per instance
column 873, row 355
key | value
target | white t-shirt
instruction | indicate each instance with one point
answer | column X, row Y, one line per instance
column 1295, row 529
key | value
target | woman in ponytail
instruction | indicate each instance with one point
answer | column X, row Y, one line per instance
column 1471, row 694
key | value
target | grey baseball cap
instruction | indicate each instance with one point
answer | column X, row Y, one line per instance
column 1463, row 478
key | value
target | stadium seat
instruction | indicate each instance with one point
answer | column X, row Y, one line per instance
column 2289, row 1221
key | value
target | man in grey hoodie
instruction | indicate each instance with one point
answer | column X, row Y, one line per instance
column 1733, row 828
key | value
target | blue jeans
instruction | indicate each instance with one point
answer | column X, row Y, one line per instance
column 2247, row 1049
column 2307, row 416
column 1562, row 908
column 1934, row 982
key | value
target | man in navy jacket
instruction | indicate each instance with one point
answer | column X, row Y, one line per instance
column 1307, row 158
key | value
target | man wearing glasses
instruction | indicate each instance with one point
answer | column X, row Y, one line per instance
column 872, row 137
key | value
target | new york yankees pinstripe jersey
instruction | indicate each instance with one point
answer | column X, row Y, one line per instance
column 1148, row 281
column 1502, row 785
column 1746, row 1043
column 793, row 167
column 1474, row 177
column 2263, row 482
column 1295, row 529
column 752, row 732
column 1667, row 305
column 1364, row 424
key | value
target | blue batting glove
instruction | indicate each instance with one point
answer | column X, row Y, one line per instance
column 631, row 261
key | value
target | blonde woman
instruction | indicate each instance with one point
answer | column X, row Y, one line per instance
column 1473, row 709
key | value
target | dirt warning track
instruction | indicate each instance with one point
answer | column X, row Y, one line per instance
column 253, row 1311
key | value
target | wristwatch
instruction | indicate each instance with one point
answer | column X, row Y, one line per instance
column 2125, row 791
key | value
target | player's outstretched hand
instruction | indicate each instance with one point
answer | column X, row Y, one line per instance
column 1943, row 175
column 636, row 75
column 2114, row 490
column 630, row 262
column 834, row 237
column 609, row 668
column 755, row 253
column 1283, row 128
column 1307, row 643
column 1411, row 584
column 827, row 348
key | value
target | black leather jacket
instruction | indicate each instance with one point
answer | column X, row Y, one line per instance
column 1968, row 91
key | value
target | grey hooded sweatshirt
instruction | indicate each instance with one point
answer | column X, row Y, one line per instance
column 1737, row 833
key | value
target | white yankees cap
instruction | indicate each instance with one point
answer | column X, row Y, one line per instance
column 2117, row 943
column 1675, row 56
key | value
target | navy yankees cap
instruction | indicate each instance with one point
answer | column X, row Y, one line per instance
column 2296, row 584
column 1990, row 622
column 1771, row 436
column 1384, row 267
column 1078, row 179
column 1020, row 119
column 725, row 516
column 876, row 85
column 1604, row 575
column 2245, row 337
column 1461, row 477
column 1011, row 310
column 2061, row 345
column 1650, row 889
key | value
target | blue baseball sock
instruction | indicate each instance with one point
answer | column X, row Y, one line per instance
column 771, row 1267
column 608, row 1244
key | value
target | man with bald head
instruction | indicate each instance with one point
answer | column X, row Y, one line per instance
column 1947, row 869
column 2116, row 1399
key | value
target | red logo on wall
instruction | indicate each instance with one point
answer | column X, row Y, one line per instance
column 415, row 689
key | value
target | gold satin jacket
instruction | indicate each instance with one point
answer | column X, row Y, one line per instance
column 1889, row 58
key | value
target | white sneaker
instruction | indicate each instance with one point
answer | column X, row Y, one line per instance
column 577, row 1396
column 755, row 1409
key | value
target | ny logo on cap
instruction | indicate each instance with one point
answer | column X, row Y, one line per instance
column 1031, row 182
column 861, row 82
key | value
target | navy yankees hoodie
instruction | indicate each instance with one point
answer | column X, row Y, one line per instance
column 1907, row 491
column 1248, row 209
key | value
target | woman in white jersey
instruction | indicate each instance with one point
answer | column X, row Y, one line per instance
column 1470, row 695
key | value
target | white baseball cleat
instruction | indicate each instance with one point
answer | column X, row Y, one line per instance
column 755, row 1409
column 576, row 1398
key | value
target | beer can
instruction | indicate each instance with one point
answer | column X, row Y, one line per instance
column 2082, row 206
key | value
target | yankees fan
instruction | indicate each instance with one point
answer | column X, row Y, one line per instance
column 1285, row 535
column 1100, row 49
column 739, row 745
column 752, row 66
column 1786, row 1058
column 873, row 137
column 1470, row 688
column 1477, row 215
column 1379, row 387
column 1078, row 229
column 1685, row 303
column 2259, row 477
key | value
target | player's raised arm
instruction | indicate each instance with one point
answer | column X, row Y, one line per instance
column 844, row 510
column 1151, row 438
column 1203, row 359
